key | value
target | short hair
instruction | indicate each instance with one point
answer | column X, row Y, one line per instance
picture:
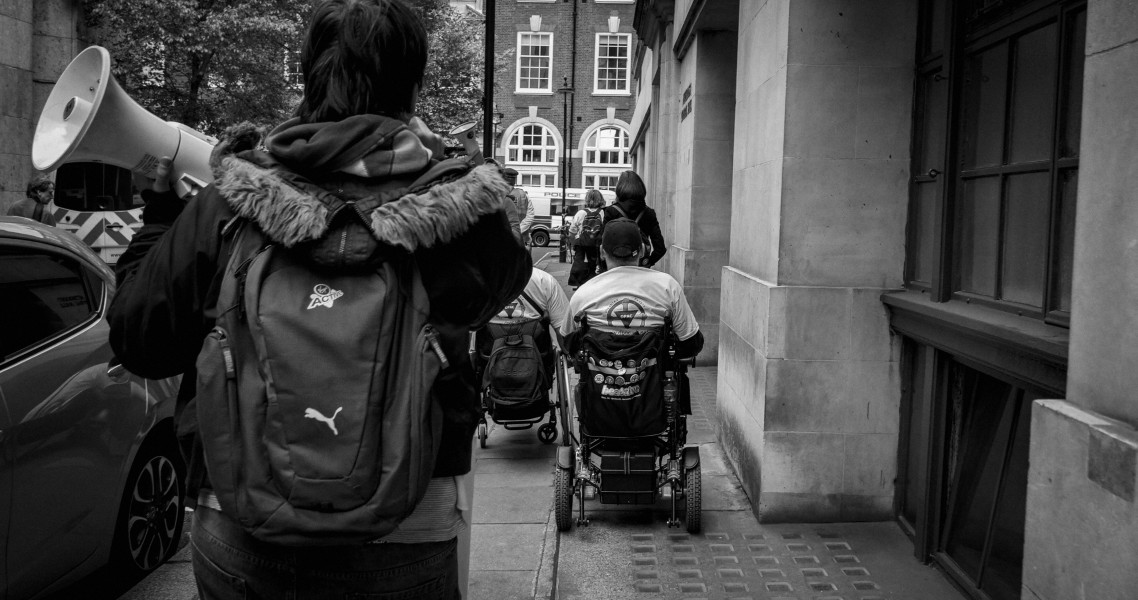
column 38, row 183
column 361, row 57
column 630, row 187
column 594, row 199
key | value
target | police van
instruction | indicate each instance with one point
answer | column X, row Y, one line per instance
column 548, row 219
column 98, row 203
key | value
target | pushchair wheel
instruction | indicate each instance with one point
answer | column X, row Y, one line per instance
column 693, row 492
column 547, row 433
column 563, row 498
column 483, row 433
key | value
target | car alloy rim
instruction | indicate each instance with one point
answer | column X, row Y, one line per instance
column 153, row 513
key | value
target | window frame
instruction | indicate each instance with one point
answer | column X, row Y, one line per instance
column 519, row 133
column 518, row 89
column 627, row 91
column 946, row 211
column 95, row 290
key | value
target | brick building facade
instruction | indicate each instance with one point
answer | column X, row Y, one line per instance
column 538, row 55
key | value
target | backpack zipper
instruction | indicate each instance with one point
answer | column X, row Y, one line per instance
column 226, row 352
column 432, row 336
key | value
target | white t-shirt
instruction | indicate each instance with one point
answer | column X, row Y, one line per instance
column 546, row 292
column 631, row 297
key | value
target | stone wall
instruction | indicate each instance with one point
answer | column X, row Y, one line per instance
column 37, row 41
column 1081, row 534
column 809, row 384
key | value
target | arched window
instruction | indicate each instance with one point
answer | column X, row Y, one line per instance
column 532, row 144
column 607, row 147
column 606, row 155
column 533, row 151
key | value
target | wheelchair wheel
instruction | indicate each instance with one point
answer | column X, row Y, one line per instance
column 547, row 433
column 563, row 498
column 483, row 433
column 693, row 492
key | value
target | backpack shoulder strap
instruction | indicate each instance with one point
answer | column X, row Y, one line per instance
column 535, row 306
column 620, row 210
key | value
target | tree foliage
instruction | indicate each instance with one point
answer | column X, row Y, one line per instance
column 452, row 84
column 212, row 63
column 205, row 63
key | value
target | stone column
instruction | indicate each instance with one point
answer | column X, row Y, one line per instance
column 809, row 385
column 15, row 100
column 702, row 215
column 1081, row 532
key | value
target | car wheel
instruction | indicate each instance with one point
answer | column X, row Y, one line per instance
column 149, row 525
column 540, row 238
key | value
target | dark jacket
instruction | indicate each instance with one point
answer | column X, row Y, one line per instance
column 649, row 225
column 450, row 217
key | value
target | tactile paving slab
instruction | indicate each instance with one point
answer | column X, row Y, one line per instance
column 813, row 564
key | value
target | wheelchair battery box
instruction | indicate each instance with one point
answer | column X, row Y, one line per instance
column 628, row 477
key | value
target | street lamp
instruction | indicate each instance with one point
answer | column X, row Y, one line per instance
column 566, row 92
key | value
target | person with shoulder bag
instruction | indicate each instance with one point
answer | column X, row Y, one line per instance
column 585, row 231
column 318, row 297
column 630, row 204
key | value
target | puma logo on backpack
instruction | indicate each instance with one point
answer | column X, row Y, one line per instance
column 295, row 355
column 590, row 234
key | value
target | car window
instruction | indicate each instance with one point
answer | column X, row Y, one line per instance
column 41, row 295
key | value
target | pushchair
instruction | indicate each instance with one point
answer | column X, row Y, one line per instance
column 514, row 363
column 629, row 409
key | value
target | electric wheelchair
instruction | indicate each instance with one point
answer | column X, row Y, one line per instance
column 625, row 430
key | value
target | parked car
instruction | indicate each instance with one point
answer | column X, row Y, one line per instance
column 90, row 474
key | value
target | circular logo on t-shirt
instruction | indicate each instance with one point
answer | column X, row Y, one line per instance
column 623, row 312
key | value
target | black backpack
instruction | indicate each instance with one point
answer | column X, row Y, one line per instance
column 644, row 239
column 515, row 373
column 313, row 395
column 590, row 234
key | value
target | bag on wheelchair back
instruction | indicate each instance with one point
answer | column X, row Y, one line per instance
column 622, row 383
column 515, row 373
column 314, row 395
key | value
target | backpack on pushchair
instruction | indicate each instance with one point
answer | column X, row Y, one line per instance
column 516, row 361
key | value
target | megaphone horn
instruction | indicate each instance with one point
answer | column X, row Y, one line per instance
column 89, row 118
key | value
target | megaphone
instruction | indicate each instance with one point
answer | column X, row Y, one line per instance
column 464, row 133
column 89, row 118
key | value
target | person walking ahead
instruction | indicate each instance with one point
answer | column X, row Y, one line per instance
column 630, row 204
column 585, row 231
column 348, row 194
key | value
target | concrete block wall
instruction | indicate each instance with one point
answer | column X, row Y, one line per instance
column 16, row 100
column 557, row 17
column 809, row 385
column 37, row 41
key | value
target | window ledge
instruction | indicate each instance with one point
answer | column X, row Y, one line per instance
column 1022, row 348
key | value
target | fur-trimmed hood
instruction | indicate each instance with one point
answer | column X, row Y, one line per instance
column 292, row 211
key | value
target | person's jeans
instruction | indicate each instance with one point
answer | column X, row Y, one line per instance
column 231, row 564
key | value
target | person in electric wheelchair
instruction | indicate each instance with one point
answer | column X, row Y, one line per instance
column 630, row 334
column 515, row 359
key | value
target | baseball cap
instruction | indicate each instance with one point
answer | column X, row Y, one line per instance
column 511, row 175
column 621, row 238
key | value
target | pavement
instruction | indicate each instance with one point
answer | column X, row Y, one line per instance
column 516, row 552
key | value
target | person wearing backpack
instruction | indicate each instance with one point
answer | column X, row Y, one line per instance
column 520, row 333
column 630, row 204
column 318, row 298
column 585, row 231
